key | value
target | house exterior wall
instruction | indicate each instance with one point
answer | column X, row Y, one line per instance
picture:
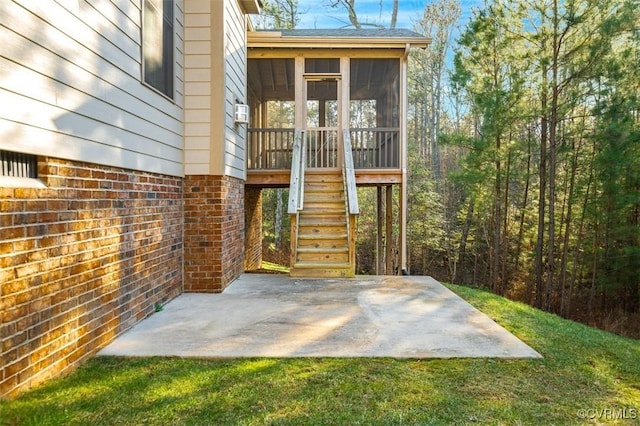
column 82, row 259
column 235, row 90
column 70, row 84
column 215, row 165
column 112, row 227
column 215, row 80
column 92, row 245
column 198, row 41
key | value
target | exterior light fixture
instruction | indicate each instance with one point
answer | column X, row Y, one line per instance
column 242, row 114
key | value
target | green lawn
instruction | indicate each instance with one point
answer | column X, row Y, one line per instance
column 586, row 376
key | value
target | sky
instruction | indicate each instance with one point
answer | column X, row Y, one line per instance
column 318, row 13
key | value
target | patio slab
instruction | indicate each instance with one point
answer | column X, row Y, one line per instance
column 269, row 315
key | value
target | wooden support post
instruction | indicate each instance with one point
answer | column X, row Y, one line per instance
column 380, row 243
column 322, row 113
column 389, row 231
column 300, row 95
column 352, row 244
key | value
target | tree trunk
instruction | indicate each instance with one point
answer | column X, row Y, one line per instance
column 394, row 14
column 541, row 210
column 525, row 201
column 577, row 249
column 553, row 128
column 505, row 228
column 497, row 225
column 278, row 219
column 567, row 231
column 465, row 236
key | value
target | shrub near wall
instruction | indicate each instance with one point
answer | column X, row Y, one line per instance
column 81, row 261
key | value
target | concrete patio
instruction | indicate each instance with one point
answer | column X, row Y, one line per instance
column 269, row 315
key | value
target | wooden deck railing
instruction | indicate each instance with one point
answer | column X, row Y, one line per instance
column 322, row 147
column 372, row 148
column 269, row 148
column 351, row 196
column 349, row 173
column 376, row 148
column 296, row 189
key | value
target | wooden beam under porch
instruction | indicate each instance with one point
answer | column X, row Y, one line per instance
column 364, row 177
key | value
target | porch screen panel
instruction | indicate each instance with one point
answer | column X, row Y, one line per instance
column 373, row 112
column 271, row 91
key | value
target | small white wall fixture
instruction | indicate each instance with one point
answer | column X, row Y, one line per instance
column 242, row 114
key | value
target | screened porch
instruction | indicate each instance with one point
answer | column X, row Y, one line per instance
column 323, row 97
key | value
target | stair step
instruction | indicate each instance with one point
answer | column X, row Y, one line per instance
column 321, row 244
column 323, row 250
column 321, row 270
column 330, row 196
column 324, row 236
column 329, row 228
column 323, row 187
column 323, row 197
column 323, row 257
column 323, row 176
column 323, row 240
column 317, row 220
column 319, row 209
column 320, row 213
column 322, row 229
column 309, row 265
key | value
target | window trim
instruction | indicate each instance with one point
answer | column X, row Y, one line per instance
column 143, row 78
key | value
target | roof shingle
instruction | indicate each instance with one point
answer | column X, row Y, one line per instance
column 355, row 33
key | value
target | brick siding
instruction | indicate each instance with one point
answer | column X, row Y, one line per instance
column 81, row 261
column 213, row 232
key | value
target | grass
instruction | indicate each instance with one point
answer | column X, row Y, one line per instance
column 586, row 376
column 269, row 266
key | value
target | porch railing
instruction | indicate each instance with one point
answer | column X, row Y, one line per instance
column 372, row 148
column 296, row 189
column 269, row 148
column 375, row 148
column 296, row 184
column 349, row 174
column 322, row 147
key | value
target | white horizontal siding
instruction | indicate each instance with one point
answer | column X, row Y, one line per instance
column 197, row 87
column 236, row 91
column 179, row 54
column 70, row 85
column 218, row 148
column 80, row 122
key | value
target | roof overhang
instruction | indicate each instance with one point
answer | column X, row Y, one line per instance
column 250, row 6
column 334, row 40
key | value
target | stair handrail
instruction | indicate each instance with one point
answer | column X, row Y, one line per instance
column 349, row 174
column 298, row 164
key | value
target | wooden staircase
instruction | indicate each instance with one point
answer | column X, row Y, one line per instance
column 322, row 233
